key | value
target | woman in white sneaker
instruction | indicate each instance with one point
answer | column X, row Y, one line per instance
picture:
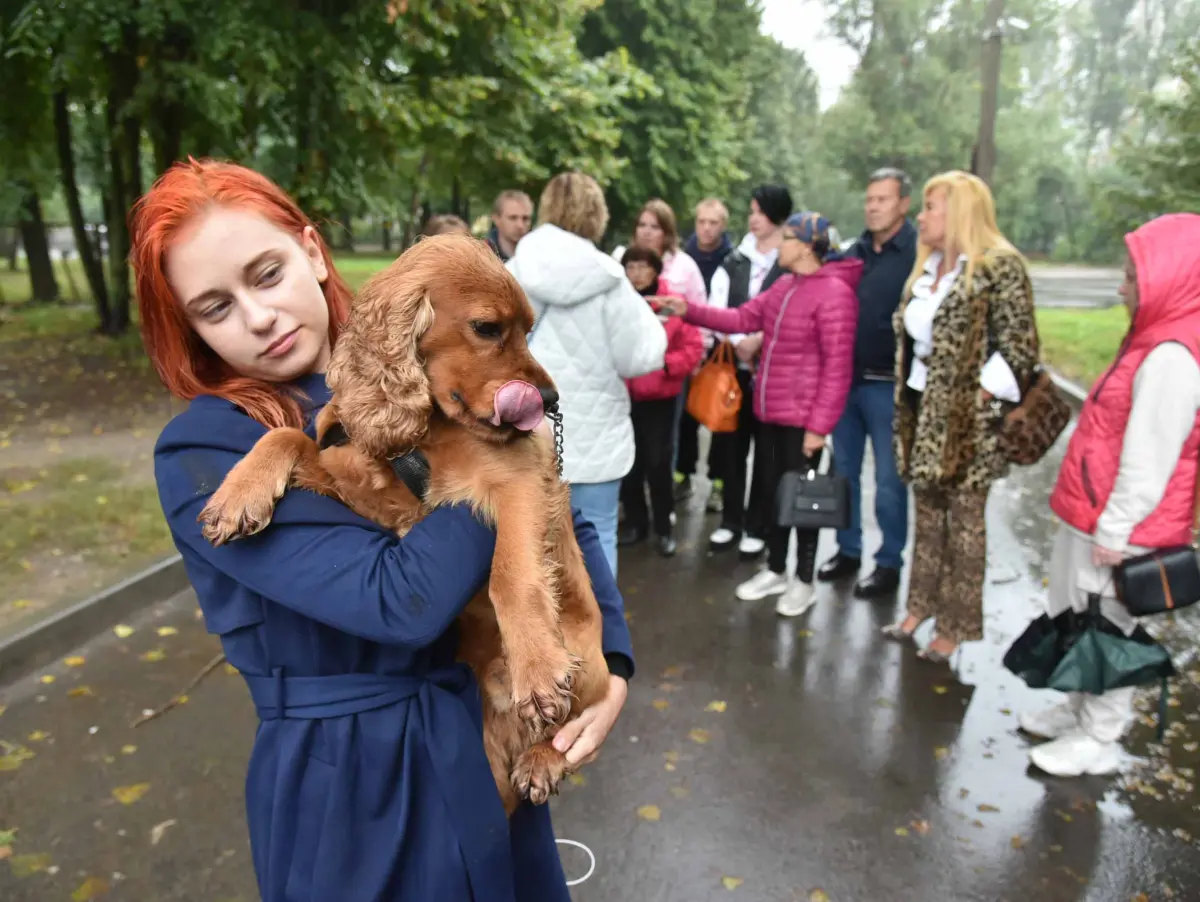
column 808, row 320
column 1128, row 482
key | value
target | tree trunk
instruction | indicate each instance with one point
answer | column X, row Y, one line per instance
column 385, row 234
column 167, row 135
column 37, row 250
column 9, row 243
column 984, row 163
column 347, row 230
column 88, row 253
column 124, row 163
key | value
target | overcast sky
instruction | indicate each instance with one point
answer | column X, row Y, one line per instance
column 801, row 24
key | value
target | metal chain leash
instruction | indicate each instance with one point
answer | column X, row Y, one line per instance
column 554, row 415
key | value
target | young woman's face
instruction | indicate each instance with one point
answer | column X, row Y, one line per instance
column 649, row 233
column 641, row 274
column 931, row 221
column 758, row 223
column 253, row 293
column 1129, row 288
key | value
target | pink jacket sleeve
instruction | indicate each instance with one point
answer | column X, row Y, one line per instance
column 837, row 322
column 685, row 350
column 746, row 318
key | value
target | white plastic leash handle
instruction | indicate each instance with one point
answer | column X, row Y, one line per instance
column 591, row 868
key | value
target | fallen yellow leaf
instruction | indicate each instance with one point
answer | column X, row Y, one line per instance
column 672, row 756
column 1141, row 897
column 128, row 749
column 649, row 813
column 74, row 661
column 127, row 795
column 1017, row 842
column 731, row 882
column 92, row 888
column 47, row 678
column 14, row 755
column 80, row 692
column 988, row 809
column 818, row 895
column 940, row 752
column 38, row 736
column 122, row 631
column 680, row 792
column 21, row 603
column 669, row 767
column 804, row 634
column 660, row 704
column 902, row 831
column 26, row 865
column 153, row 656
column 100, row 499
column 940, row 689
column 167, row 631
column 577, row 779
column 231, row 670
column 674, row 671
column 698, row 736
column 718, row 707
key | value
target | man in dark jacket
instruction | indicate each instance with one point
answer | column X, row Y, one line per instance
column 888, row 249
column 512, row 217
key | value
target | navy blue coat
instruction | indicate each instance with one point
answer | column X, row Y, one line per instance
column 368, row 779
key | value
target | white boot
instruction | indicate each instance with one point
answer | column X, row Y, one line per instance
column 798, row 598
column 1077, row 754
column 761, row 585
column 1053, row 722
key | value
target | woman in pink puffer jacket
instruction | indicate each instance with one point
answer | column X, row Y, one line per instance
column 808, row 321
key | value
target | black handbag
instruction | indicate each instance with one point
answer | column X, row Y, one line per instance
column 812, row 500
column 1163, row 580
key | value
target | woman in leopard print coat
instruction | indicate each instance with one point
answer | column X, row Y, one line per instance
column 968, row 343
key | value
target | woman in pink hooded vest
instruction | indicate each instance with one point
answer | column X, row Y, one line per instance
column 1128, row 481
column 808, row 319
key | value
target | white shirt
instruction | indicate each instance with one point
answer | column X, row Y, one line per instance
column 928, row 292
column 760, row 265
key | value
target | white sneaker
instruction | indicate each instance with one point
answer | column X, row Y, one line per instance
column 1053, row 722
column 1077, row 754
column 721, row 536
column 761, row 585
column 674, row 520
column 798, row 598
column 750, row 545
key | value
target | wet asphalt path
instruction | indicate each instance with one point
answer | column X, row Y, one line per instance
column 1075, row 286
column 757, row 758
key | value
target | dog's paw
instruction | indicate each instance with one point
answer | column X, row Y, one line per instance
column 542, row 689
column 538, row 772
column 234, row 512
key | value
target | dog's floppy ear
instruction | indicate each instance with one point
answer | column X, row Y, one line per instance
column 376, row 370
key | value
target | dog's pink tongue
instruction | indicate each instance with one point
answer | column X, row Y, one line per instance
column 519, row 404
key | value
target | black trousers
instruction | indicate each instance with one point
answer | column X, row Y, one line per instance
column 731, row 452
column 653, row 440
column 782, row 452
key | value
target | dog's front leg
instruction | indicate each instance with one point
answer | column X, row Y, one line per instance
column 245, row 502
column 540, row 668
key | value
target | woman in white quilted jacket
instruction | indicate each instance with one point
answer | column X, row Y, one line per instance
column 593, row 331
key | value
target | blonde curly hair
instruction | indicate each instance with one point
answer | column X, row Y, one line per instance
column 575, row 203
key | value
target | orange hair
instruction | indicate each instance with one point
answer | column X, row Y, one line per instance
column 185, row 364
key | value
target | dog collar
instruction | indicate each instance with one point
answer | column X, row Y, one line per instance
column 411, row 468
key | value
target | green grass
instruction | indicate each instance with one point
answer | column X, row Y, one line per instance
column 79, row 506
column 356, row 269
column 1081, row 344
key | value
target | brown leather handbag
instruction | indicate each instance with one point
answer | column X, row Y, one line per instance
column 715, row 397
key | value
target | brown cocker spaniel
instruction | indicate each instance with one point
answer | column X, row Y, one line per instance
column 434, row 358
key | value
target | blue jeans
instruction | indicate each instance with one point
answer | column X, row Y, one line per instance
column 869, row 412
column 598, row 502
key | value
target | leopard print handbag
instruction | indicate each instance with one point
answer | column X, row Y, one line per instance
column 1031, row 428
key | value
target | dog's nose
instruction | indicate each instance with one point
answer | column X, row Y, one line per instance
column 549, row 396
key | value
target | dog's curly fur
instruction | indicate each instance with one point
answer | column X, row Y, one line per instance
column 428, row 343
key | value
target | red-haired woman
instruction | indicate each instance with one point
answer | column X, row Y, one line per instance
column 368, row 779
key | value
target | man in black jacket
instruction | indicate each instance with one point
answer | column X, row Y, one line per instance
column 888, row 249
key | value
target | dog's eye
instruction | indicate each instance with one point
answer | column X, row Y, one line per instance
column 486, row 329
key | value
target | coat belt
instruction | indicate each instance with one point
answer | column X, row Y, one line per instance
column 453, row 740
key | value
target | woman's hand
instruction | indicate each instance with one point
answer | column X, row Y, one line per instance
column 813, row 443
column 580, row 739
column 1106, row 557
column 672, row 305
column 747, row 349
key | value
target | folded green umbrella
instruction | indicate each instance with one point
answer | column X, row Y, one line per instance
column 1086, row 652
